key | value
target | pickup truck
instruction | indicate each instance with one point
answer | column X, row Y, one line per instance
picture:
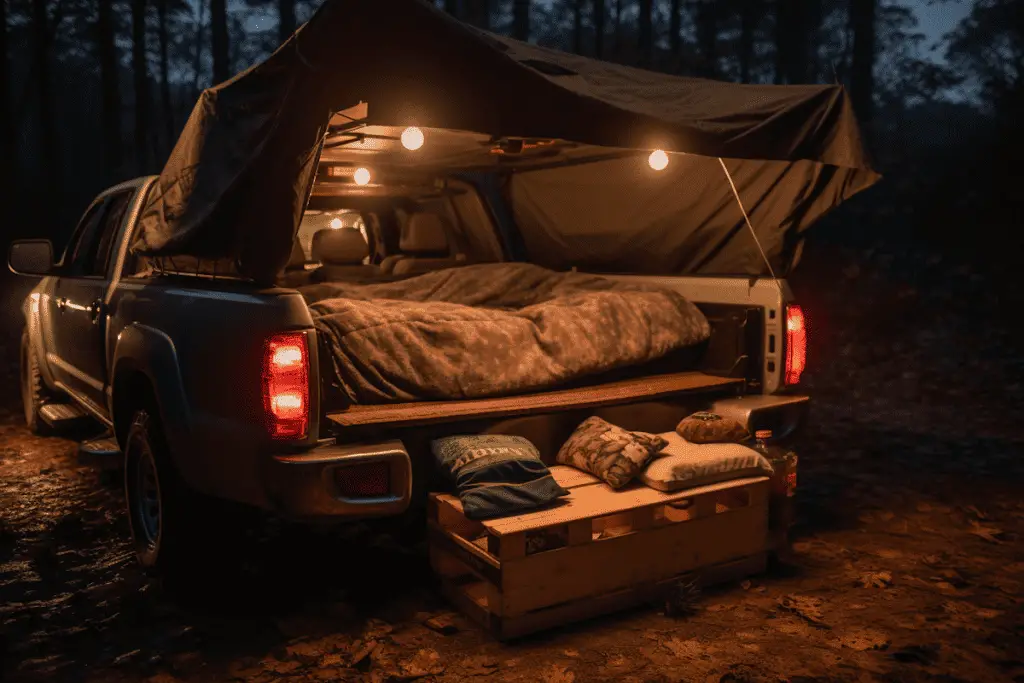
column 211, row 388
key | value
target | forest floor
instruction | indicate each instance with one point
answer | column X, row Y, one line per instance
column 908, row 563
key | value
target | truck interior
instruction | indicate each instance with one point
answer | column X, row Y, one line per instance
column 414, row 219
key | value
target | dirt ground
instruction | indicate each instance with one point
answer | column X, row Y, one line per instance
column 908, row 558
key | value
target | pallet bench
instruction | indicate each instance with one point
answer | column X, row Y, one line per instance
column 596, row 551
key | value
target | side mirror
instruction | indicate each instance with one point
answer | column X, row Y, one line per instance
column 30, row 257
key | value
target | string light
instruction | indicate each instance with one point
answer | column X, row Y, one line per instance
column 658, row 160
column 412, row 138
column 335, row 224
column 362, row 176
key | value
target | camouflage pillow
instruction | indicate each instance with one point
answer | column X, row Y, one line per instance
column 608, row 452
column 496, row 474
column 712, row 428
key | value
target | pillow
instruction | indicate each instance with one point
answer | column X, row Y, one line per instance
column 608, row 452
column 686, row 465
column 495, row 474
column 711, row 428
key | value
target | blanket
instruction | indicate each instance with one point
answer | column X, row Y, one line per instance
column 492, row 330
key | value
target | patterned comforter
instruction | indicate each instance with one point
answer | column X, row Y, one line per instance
column 491, row 330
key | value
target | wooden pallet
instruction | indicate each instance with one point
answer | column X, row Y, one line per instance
column 595, row 551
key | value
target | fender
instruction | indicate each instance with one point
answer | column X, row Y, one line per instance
column 145, row 349
column 33, row 309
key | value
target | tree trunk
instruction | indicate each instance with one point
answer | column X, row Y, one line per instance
column 577, row 27
column 453, row 8
column 521, row 20
column 167, row 113
column 219, row 42
column 707, row 38
column 479, row 13
column 646, row 32
column 7, row 147
column 749, row 15
column 285, row 19
column 197, row 56
column 796, row 44
column 862, row 70
column 675, row 28
column 110, row 88
column 42, row 40
column 141, row 79
column 617, row 27
column 599, row 21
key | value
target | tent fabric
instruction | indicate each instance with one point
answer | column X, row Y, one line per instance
column 241, row 172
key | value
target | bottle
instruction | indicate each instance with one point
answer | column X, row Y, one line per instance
column 761, row 437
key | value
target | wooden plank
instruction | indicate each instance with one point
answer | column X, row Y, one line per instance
column 482, row 564
column 570, row 477
column 507, row 547
column 587, row 608
column 598, row 500
column 575, row 572
column 581, row 532
column 611, row 393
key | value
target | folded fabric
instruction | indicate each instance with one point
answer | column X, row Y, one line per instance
column 685, row 465
column 496, row 474
column 610, row 453
column 711, row 428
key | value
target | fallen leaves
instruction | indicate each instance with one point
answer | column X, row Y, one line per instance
column 989, row 533
column 875, row 580
column 443, row 624
column 862, row 640
column 806, row 607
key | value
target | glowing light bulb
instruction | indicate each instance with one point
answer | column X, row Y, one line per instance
column 658, row 160
column 412, row 138
column 362, row 176
column 336, row 222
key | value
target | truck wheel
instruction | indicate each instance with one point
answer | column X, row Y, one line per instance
column 173, row 528
column 34, row 393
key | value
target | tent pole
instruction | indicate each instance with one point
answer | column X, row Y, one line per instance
column 746, row 218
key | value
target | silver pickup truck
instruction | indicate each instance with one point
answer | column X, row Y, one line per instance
column 212, row 390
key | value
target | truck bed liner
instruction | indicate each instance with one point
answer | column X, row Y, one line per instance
column 610, row 393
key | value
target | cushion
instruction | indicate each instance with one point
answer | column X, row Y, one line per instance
column 685, row 465
column 711, row 428
column 495, row 474
column 610, row 453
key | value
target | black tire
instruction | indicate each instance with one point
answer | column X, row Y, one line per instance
column 34, row 393
column 179, row 536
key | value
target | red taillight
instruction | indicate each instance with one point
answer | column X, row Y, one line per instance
column 286, row 385
column 796, row 344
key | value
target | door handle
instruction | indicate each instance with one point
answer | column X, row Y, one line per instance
column 95, row 310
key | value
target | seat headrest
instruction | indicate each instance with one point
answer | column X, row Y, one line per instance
column 297, row 259
column 344, row 246
column 425, row 233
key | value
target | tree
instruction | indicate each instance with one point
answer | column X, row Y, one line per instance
column 454, row 8
column 577, row 26
column 285, row 19
column 646, row 32
column 707, row 37
column 521, row 19
column 7, row 148
column 675, row 28
column 617, row 27
column 110, row 88
column 219, row 40
column 599, row 21
column 862, row 69
column 167, row 108
column 478, row 13
column 43, row 29
column 141, row 79
column 750, row 13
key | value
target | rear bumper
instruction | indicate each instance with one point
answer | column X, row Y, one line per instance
column 782, row 414
column 310, row 485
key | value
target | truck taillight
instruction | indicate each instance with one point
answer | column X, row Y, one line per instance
column 796, row 344
column 286, row 385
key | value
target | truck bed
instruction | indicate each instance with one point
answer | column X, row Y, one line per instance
column 610, row 393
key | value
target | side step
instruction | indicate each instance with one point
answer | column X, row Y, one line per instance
column 102, row 451
column 62, row 416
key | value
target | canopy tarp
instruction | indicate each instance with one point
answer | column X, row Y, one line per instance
column 240, row 175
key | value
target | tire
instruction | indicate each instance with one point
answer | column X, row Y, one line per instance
column 176, row 532
column 34, row 393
